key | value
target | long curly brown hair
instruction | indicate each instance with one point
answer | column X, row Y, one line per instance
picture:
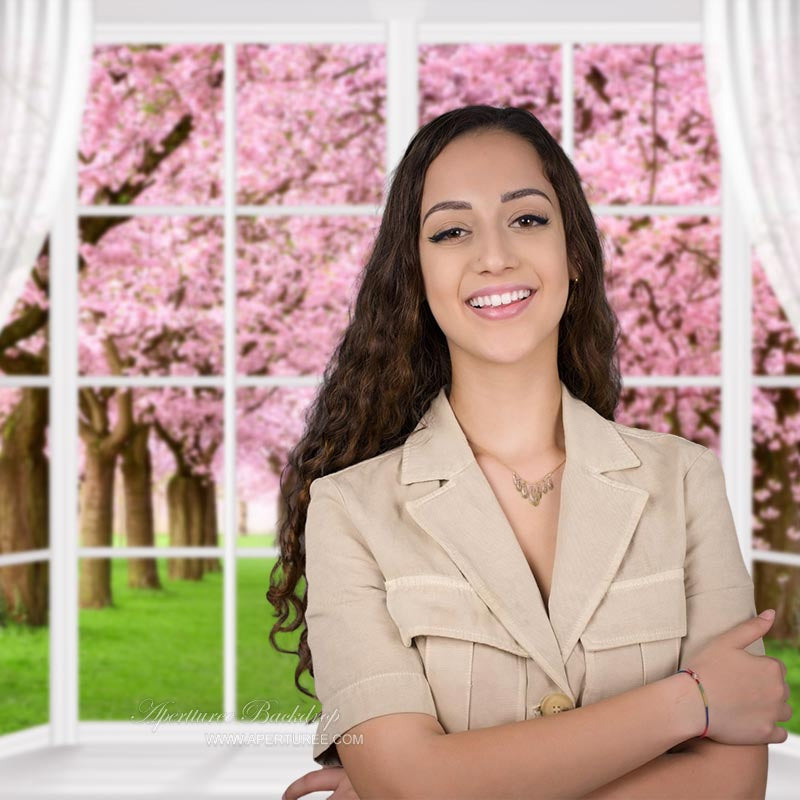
column 393, row 358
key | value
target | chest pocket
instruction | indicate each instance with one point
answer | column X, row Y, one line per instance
column 475, row 668
column 634, row 636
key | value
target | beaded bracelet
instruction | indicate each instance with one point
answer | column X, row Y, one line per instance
column 696, row 677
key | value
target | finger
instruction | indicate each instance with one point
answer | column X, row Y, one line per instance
column 319, row 780
column 345, row 791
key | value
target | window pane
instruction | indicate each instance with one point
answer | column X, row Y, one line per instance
column 24, row 336
column 24, row 469
column 778, row 586
column 311, row 123
column 155, row 652
column 296, row 279
column 643, row 126
column 151, row 297
column 270, row 422
column 688, row 411
column 776, row 349
column 662, row 279
column 266, row 691
column 526, row 75
column 24, row 646
column 150, row 472
column 152, row 128
column 776, row 469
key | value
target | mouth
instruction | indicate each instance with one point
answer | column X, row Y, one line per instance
column 503, row 310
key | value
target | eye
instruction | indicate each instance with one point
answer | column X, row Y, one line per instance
column 541, row 219
column 445, row 235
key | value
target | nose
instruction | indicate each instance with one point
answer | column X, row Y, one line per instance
column 494, row 251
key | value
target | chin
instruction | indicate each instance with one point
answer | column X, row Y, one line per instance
column 502, row 355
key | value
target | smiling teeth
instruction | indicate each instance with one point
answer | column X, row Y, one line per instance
column 499, row 299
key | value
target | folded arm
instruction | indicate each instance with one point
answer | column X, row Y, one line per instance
column 701, row 769
column 719, row 594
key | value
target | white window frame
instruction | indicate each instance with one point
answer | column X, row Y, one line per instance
column 401, row 37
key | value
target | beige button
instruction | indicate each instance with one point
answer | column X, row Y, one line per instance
column 555, row 703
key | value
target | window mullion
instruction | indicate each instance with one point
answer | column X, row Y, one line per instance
column 63, row 468
column 735, row 346
column 567, row 101
column 229, row 422
column 402, row 87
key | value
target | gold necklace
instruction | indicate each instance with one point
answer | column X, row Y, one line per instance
column 532, row 492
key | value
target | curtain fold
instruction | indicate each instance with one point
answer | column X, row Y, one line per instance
column 44, row 78
column 752, row 62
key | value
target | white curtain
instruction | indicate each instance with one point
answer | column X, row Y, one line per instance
column 44, row 77
column 752, row 62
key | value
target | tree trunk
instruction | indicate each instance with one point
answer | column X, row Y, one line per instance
column 24, row 502
column 243, row 517
column 778, row 586
column 97, row 506
column 185, row 507
column 210, row 525
column 139, row 529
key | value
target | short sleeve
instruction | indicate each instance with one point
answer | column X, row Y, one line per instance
column 362, row 669
column 719, row 590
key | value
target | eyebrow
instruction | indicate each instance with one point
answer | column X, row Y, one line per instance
column 504, row 198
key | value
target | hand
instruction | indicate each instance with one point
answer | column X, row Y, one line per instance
column 747, row 692
column 319, row 781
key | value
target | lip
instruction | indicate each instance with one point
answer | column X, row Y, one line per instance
column 487, row 290
column 503, row 312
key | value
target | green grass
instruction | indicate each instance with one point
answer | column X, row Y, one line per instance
column 24, row 677
column 255, row 540
column 250, row 540
column 154, row 648
column 163, row 648
column 265, row 688
column 159, row 649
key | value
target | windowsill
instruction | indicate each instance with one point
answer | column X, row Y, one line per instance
column 124, row 760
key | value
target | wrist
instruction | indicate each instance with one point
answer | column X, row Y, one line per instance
column 688, row 718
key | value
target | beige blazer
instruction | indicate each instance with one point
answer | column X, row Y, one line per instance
column 420, row 597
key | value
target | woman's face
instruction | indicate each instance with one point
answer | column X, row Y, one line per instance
column 497, row 238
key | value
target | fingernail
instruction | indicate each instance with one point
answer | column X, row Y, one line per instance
column 768, row 614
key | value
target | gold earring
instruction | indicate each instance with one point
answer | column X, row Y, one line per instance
column 574, row 282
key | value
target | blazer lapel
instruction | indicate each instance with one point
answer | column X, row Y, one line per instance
column 597, row 518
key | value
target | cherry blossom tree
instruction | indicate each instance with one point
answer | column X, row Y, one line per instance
column 311, row 130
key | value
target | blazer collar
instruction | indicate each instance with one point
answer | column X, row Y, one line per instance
column 597, row 518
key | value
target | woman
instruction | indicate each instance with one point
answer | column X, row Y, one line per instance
column 483, row 545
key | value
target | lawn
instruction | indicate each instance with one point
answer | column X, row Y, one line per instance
column 159, row 651
column 250, row 540
column 162, row 649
